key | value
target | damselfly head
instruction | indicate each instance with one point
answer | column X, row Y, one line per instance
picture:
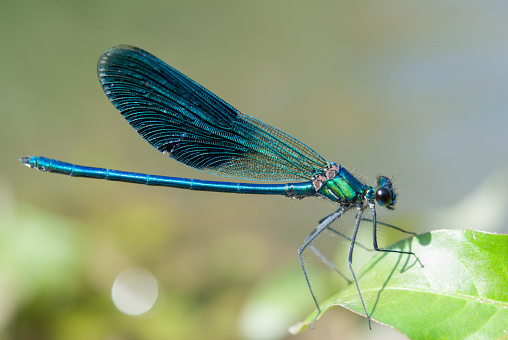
column 385, row 193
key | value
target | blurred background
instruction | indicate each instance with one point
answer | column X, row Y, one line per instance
column 411, row 89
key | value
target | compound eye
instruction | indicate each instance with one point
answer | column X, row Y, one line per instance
column 383, row 196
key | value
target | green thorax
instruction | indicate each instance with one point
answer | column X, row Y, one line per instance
column 338, row 185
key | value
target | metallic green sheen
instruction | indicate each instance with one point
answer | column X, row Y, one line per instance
column 343, row 188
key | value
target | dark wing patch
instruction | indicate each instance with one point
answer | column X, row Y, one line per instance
column 178, row 116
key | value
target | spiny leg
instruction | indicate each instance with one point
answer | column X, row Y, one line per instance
column 374, row 238
column 350, row 257
column 323, row 258
column 368, row 220
column 328, row 262
column 345, row 236
column 348, row 238
column 322, row 226
column 390, row 226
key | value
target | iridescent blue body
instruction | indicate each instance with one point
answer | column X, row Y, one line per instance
column 181, row 118
column 293, row 190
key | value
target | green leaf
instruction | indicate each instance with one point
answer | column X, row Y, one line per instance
column 460, row 293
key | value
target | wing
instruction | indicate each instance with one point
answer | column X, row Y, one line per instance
column 178, row 116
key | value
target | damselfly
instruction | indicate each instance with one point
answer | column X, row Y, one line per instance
column 195, row 127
